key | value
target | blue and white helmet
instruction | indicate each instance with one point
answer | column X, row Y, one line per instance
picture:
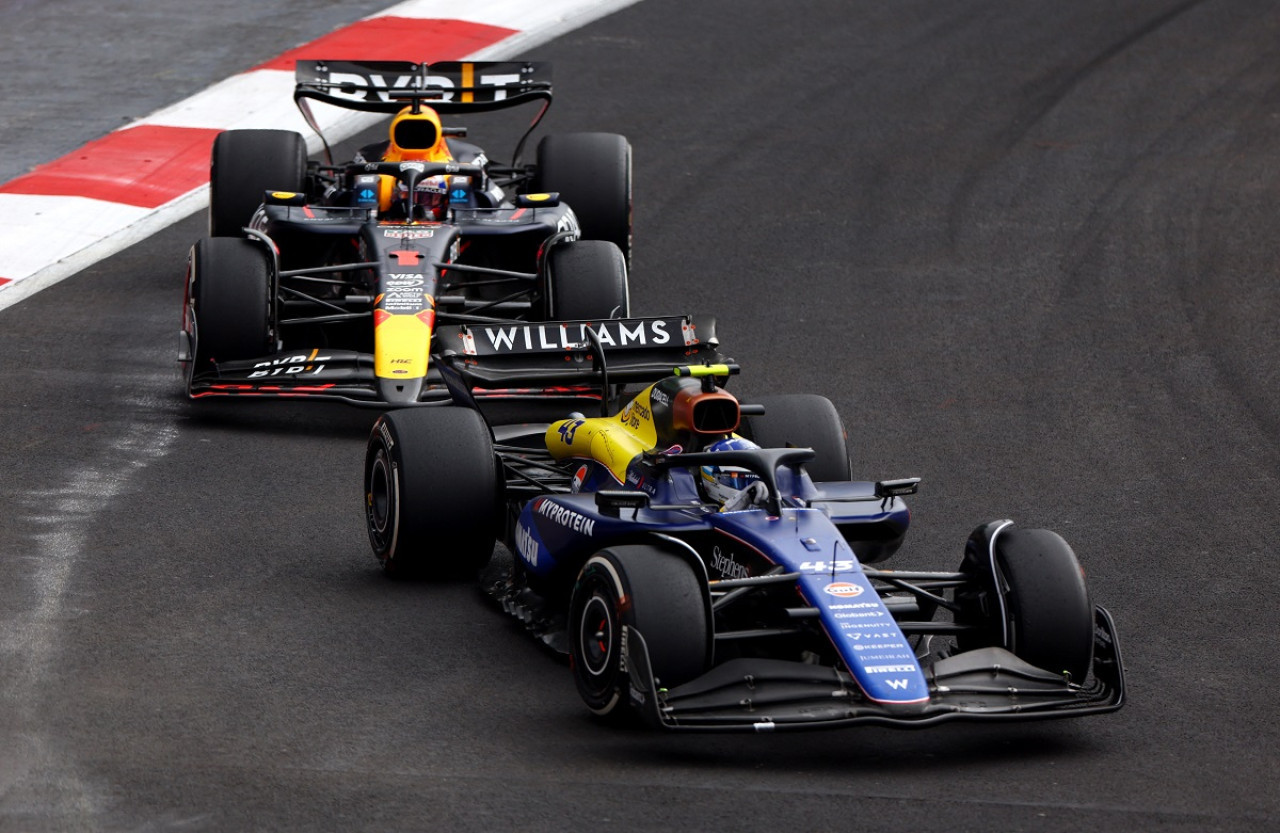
column 725, row 483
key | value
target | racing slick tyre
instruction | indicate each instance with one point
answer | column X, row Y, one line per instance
column 246, row 163
column 431, row 492
column 230, row 286
column 652, row 591
column 1046, row 617
column 592, row 174
column 586, row 281
column 802, row 420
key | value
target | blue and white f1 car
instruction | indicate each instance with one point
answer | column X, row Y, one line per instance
column 756, row 608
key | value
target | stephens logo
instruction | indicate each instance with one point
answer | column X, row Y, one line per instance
column 843, row 589
column 725, row 565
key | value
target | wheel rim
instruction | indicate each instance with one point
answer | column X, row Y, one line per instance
column 595, row 638
column 379, row 496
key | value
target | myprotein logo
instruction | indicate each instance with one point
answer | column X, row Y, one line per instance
column 566, row 517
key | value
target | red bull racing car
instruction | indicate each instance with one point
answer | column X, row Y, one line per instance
column 710, row 565
column 327, row 280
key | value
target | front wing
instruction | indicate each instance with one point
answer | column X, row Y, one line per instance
column 501, row 359
column 765, row 695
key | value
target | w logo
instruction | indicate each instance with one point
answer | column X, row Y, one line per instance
column 898, row 683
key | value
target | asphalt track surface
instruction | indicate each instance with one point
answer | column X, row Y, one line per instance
column 1027, row 248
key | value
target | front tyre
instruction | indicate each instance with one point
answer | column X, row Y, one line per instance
column 230, row 295
column 652, row 591
column 245, row 163
column 803, row 420
column 431, row 492
column 1033, row 598
column 586, row 281
column 592, row 173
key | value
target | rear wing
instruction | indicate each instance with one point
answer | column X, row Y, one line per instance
column 445, row 86
column 569, row 353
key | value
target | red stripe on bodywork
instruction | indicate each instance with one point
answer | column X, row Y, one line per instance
column 4, row 281
column 146, row 166
column 396, row 39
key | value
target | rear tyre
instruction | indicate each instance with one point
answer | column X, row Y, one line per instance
column 431, row 492
column 586, row 281
column 245, row 164
column 1047, row 617
column 231, row 300
column 654, row 592
column 592, row 173
column 803, row 421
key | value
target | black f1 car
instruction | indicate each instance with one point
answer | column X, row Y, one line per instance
column 711, row 565
column 328, row 280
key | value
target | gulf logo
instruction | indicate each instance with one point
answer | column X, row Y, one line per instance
column 843, row 589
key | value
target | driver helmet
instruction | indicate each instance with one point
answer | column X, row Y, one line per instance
column 432, row 198
column 417, row 136
column 724, row 483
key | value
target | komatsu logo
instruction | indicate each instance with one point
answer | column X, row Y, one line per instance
column 526, row 545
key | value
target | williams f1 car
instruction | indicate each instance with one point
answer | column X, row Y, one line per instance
column 710, row 565
column 327, row 280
